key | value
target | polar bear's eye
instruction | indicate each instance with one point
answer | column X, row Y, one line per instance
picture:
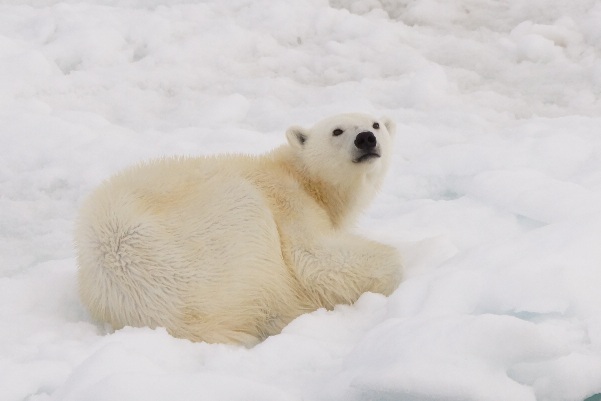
column 337, row 132
column 376, row 125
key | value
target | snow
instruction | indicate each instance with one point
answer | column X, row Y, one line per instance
column 494, row 197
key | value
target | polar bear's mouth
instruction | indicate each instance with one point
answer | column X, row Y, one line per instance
column 366, row 157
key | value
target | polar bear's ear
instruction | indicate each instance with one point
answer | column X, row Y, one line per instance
column 390, row 125
column 297, row 137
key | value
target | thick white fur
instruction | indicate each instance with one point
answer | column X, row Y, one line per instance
column 232, row 248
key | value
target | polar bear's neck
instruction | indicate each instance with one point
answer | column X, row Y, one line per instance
column 342, row 201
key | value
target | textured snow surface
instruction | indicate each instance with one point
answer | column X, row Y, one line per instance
column 494, row 196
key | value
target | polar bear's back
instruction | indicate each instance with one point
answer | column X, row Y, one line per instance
column 187, row 244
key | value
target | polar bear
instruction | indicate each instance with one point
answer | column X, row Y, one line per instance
column 231, row 248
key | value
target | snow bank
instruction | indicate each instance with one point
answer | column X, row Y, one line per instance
column 493, row 197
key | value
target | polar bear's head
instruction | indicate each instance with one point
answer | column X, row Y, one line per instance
column 344, row 147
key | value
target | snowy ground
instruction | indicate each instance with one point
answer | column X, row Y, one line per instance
column 494, row 196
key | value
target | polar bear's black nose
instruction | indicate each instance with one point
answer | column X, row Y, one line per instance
column 366, row 141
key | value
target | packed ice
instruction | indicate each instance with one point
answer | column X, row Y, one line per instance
column 493, row 198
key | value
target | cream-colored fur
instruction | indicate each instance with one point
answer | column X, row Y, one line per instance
column 232, row 248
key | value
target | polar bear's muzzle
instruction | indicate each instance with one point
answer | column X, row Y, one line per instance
column 367, row 146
